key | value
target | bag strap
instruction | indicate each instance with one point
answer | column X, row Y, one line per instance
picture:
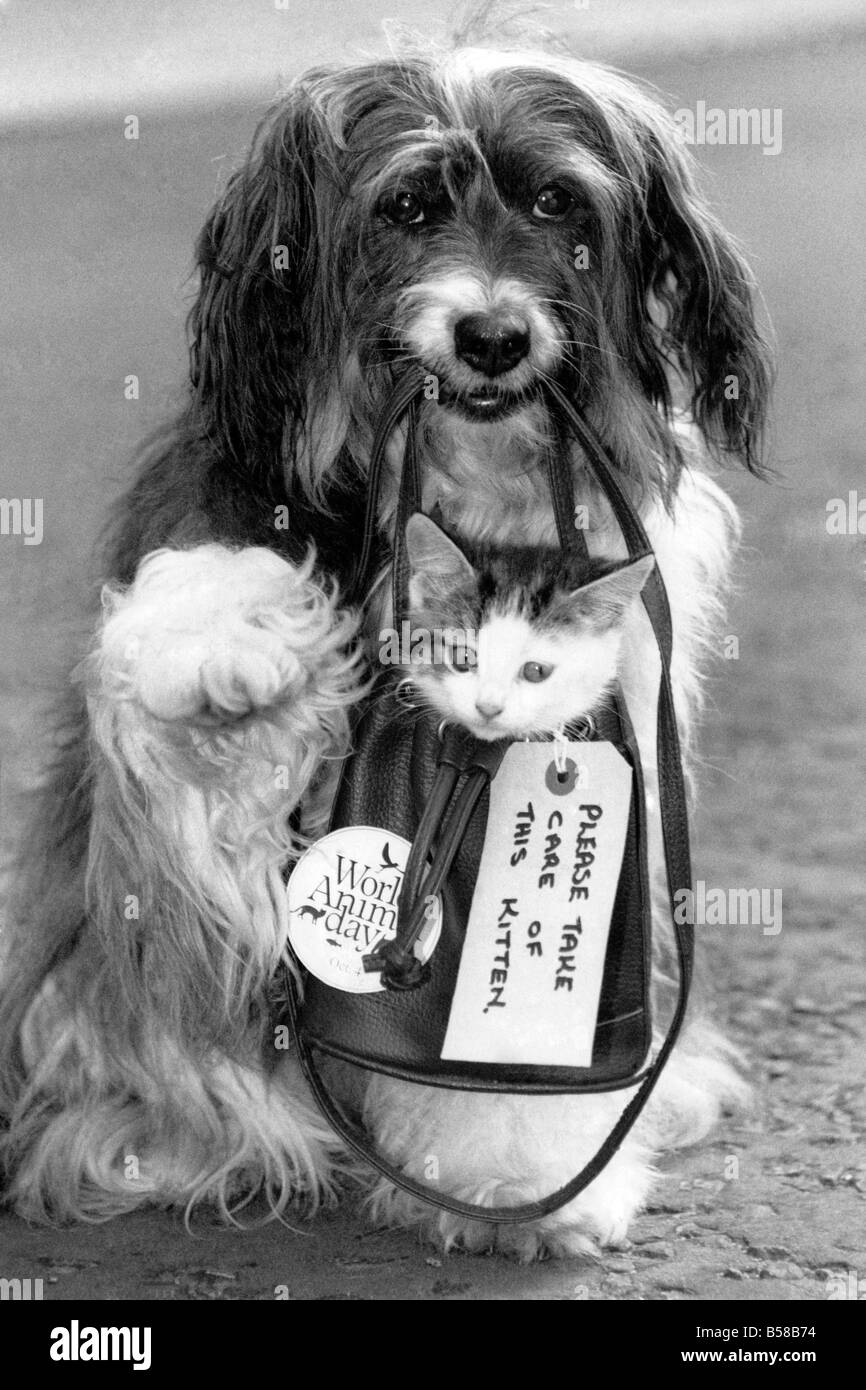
column 674, row 819
column 403, row 399
column 560, row 482
column 408, row 502
column 404, row 394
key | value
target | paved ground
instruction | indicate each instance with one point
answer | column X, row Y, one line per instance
column 99, row 232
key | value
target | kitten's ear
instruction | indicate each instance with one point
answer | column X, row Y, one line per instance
column 605, row 600
column 433, row 558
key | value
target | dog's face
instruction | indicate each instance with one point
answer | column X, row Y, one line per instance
column 496, row 219
column 498, row 226
column 478, row 207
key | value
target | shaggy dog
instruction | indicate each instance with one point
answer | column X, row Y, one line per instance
column 498, row 219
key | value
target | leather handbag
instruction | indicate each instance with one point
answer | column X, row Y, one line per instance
column 413, row 778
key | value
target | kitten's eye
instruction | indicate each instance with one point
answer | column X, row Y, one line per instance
column 535, row 671
column 460, row 659
column 552, row 202
column 402, row 208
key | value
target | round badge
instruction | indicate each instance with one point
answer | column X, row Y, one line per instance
column 343, row 897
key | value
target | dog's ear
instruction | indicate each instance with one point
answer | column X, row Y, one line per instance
column 257, row 321
column 698, row 314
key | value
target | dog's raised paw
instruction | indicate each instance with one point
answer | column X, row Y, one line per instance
column 212, row 634
column 222, row 676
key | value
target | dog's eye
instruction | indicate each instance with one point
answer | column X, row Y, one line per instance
column 535, row 672
column 403, row 208
column 552, row 201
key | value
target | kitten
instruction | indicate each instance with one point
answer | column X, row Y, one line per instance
column 513, row 641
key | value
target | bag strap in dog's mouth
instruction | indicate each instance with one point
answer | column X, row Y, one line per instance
column 403, row 401
column 672, row 798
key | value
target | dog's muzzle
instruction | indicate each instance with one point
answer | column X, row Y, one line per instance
column 489, row 345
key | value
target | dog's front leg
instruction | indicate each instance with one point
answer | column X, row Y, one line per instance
column 504, row 1150
column 222, row 681
column 220, row 685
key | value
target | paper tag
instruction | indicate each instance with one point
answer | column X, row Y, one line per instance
column 343, row 896
column 531, row 971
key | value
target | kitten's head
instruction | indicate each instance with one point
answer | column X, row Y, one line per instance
column 516, row 641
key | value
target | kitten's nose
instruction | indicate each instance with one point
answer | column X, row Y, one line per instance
column 491, row 344
column 489, row 708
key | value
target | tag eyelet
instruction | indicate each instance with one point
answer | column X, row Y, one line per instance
column 561, row 783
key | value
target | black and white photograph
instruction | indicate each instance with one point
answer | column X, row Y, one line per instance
column 433, row 570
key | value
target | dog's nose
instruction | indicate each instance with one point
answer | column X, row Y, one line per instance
column 490, row 345
column 489, row 708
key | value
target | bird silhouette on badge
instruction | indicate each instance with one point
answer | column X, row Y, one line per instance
column 387, row 861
